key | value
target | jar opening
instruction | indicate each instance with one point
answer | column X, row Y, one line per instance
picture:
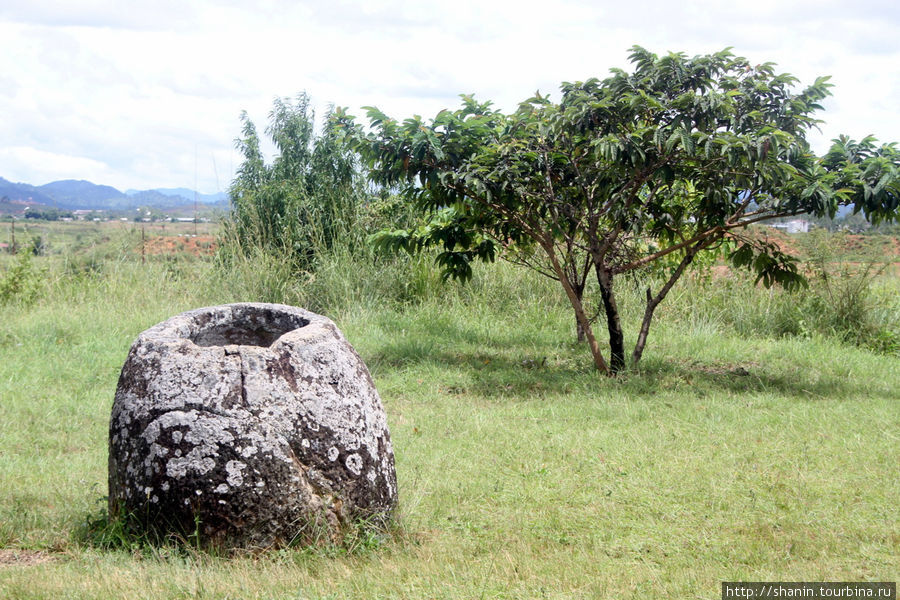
column 249, row 326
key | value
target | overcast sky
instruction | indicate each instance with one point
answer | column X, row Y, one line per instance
column 139, row 94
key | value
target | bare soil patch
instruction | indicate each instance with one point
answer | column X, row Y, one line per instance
column 843, row 244
column 23, row 558
column 849, row 249
column 200, row 245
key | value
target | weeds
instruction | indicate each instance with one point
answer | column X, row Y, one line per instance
column 847, row 302
column 854, row 302
column 129, row 533
column 100, row 530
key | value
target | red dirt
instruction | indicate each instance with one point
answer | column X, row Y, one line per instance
column 850, row 243
column 201, row 245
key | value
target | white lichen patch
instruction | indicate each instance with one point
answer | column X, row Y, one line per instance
column 175, row 418
column 177, row 468
column 234, row 468
column 333, row 454
column 208, row 429
column 222, row 489
column 354, row 464
column 156, row 451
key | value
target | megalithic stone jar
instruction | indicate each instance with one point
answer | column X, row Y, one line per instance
column 249, row 425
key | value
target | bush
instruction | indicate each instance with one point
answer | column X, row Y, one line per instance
column 21, row 283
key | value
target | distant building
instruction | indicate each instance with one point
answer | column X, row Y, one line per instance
column 792, row 226
column 85, row 214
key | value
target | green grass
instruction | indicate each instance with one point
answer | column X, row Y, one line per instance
column 522, row 473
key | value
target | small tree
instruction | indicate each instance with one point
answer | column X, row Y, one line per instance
column 646, row 168
column 307, row 200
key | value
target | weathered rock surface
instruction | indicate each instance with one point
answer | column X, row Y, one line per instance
column 259, row 422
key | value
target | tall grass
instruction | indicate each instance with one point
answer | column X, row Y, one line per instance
column 853, row 302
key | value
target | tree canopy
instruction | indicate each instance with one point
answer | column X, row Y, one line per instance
column 651, row 167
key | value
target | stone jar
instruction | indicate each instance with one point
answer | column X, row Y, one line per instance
column 248, row 425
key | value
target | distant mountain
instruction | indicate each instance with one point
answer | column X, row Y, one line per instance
column 75, row 194
column 71, row 194
column 155, row 199
column 189, row 195
column 23, row 192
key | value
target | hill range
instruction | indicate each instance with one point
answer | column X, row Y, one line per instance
column 71, row 194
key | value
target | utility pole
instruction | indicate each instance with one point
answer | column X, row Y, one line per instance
column 12, row 242
column 195, row 190
column 143, row 259
column 195, row 213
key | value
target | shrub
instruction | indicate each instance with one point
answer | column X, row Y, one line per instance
column 21, row 283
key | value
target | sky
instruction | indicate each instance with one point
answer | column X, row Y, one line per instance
column 142, row 95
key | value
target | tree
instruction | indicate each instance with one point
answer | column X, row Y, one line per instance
column 653, row 167
column 47, row 214
column 307, row 200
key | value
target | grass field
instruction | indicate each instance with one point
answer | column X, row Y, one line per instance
column 731, row 454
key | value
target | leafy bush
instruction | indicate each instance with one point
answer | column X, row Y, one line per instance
column 21, row 283
column 39, row 246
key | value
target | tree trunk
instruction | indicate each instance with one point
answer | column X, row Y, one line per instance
column 613, row 322
column 578, row 307
column 653, row 301
column 580, row 336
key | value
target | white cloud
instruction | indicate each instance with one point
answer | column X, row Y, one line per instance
column 43, row 167
column 156, row 15
column 148, row 93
